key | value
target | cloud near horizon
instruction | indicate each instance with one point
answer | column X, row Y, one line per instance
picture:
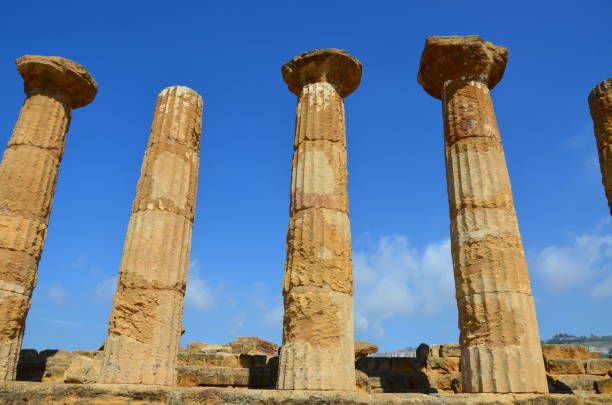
column 199, row 293
column 60, row 296
column 397, row 279
column 586, row 260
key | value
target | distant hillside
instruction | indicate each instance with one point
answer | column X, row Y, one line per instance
column 599, row 344
column 406, row 352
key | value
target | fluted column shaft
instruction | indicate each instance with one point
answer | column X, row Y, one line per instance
column 317, row 351
column 600, row 103
column 28, row 175
column 146, row 320
column 499, row 333
column 27, row 182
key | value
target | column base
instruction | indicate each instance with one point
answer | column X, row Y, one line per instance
column 305, row 367
column 506, row 369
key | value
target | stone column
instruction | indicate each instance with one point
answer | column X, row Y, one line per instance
column 500, row 344
column 317, row 351
column 600, row 102
column 146, row 320
column 54, row 86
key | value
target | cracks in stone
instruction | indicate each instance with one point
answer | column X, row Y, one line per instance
column 169, row 210
column 59, row 151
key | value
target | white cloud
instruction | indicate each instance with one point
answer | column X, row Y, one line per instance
column 397, row 279
column 273, row 318
column 199, row 294
column 603, row 288
column 236, row 324
column 69, row 324
column 58, row 295
column 79, row 262
column 105, row 290
column 585, row 260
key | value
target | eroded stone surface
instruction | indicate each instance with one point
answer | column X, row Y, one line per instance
column 190, row 376
column 252, row 345
column 559, row 351
column 17, row 393
column 599, row 367
column 566, row 366
column 57, row 74
column 319, row 251
column 600, row 103
column 334, row 66
column 499, row 333
column 318, row 350
column 28, row 175
column 146, row 320
column 362, row 349
column 460, row 58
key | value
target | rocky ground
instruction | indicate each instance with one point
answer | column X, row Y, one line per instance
column 244, row 372
column 31, row 393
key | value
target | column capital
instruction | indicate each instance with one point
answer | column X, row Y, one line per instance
column 56, row 74
column 460, row 58
column 334, row 66
column 600, row 89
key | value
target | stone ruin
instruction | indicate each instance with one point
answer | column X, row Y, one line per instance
column 499, row 356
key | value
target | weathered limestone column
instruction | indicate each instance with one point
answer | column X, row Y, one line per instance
column 600, row 102
column 146, row 320
column 317, row 351
column 28, row 173
column 500, row 344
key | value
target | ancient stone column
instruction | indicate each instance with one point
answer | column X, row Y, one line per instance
column 317, row 351
column 146, row 319
column 600, row 102
column 500, row 344
column 28, row 173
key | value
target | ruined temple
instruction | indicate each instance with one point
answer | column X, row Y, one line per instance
column 499, row 358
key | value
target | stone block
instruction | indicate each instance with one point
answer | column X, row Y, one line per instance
column 17, row 268
column 443, row 365
column 389, row 381
column 57, row 362
column 565, row 366
column 362, row 349
column 375, row 364
column 84, row 370
column 319, row 176
column 193, row 376
column 599, row 367
column 604, row 386
column 200, row 347
column 450, row 350
column 319, row 251
column 231, row 360
column 322, row 101
column 28, row 193
column 321, row 318
column 154, row 254
column 447, row 382
column 362, row 382
column 575, row 382
column 252, row 346
column 169, row 180
column 568, row 352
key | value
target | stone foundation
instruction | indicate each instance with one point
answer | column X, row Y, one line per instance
column 252, row 363
column 13, row 393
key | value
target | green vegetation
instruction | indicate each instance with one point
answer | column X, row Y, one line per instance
column 600, row 344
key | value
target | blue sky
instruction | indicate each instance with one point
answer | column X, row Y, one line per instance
column 231, row 52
